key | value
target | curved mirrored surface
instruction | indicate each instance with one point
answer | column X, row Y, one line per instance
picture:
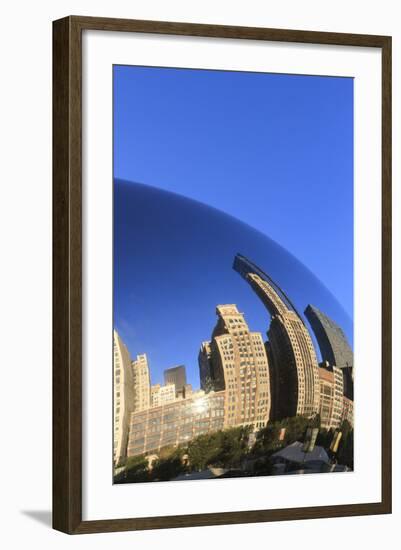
column 173, row 261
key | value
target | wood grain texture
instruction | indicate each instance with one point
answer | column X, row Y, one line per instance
column 386, row 274
column 226, row 31
column 67, row 277
column 67, row 274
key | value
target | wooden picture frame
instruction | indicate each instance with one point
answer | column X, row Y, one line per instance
column 67, row 274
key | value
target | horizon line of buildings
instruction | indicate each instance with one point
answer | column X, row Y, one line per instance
column 244, row 379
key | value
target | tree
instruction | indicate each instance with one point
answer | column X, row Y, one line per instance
column 234, row 446
column 224, row 448
column 170, row 451
column 268, row 439
column 135, row 461
column 204, row 450
column 315, row 422
column 345, row 428
column 345, row 453
column 166, row 469
column 325, row 437
column 295, row 428
column 136, row 469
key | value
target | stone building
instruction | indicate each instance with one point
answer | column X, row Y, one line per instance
column 141, row 380
column 176, row 423
column 235, row 360
column 123, row 398
column 294, row 370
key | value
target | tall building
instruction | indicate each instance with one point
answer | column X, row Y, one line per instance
column 188, row 391
column 176, row 376
column 176, row 423
column 161, row 395
column 331, row 396
column 207, row 377
column 141, row 376
column 235, row 360
column 293, row 364
column 348, row 411
column 333, row 345
column 123, row 398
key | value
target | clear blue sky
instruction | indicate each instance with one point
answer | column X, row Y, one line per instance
column 274, row 151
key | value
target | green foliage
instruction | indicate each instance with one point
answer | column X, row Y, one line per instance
column 325, row 437
column 168, row 465
column 135, row 461
column 234, row 447
column 345, row 453
column 229, row 449
column 345, row 428
column 268, row 441
column 136, row 470
column 224, row 448
column 170, row 451
column 167, row 468
column 204, row 450
column 315, row 422
column 295, row 427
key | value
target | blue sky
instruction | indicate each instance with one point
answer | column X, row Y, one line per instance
column 274, row 151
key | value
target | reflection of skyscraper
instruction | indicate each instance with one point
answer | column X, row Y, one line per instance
column 161, row 395
column 177, row 376
column 207, row 378
column 140, row 369
column 333, row 345
column 235, row 360
column 176, row 423
column 294, row 368
column 123, row 398
column 331, row 395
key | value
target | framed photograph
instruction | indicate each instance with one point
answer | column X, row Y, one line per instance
column 222, row 274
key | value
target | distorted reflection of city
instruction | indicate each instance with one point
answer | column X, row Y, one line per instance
column 257, row 380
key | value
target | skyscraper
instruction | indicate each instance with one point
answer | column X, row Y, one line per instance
column 331, row 395
column 123, row 398
column 206, row 374
column 177, row 376
column 333, row 345
column 235, row 360
column 140, row 370
column 292, row 358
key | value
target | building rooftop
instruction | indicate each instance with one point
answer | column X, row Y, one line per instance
column 294, row 453
column 244, row 266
